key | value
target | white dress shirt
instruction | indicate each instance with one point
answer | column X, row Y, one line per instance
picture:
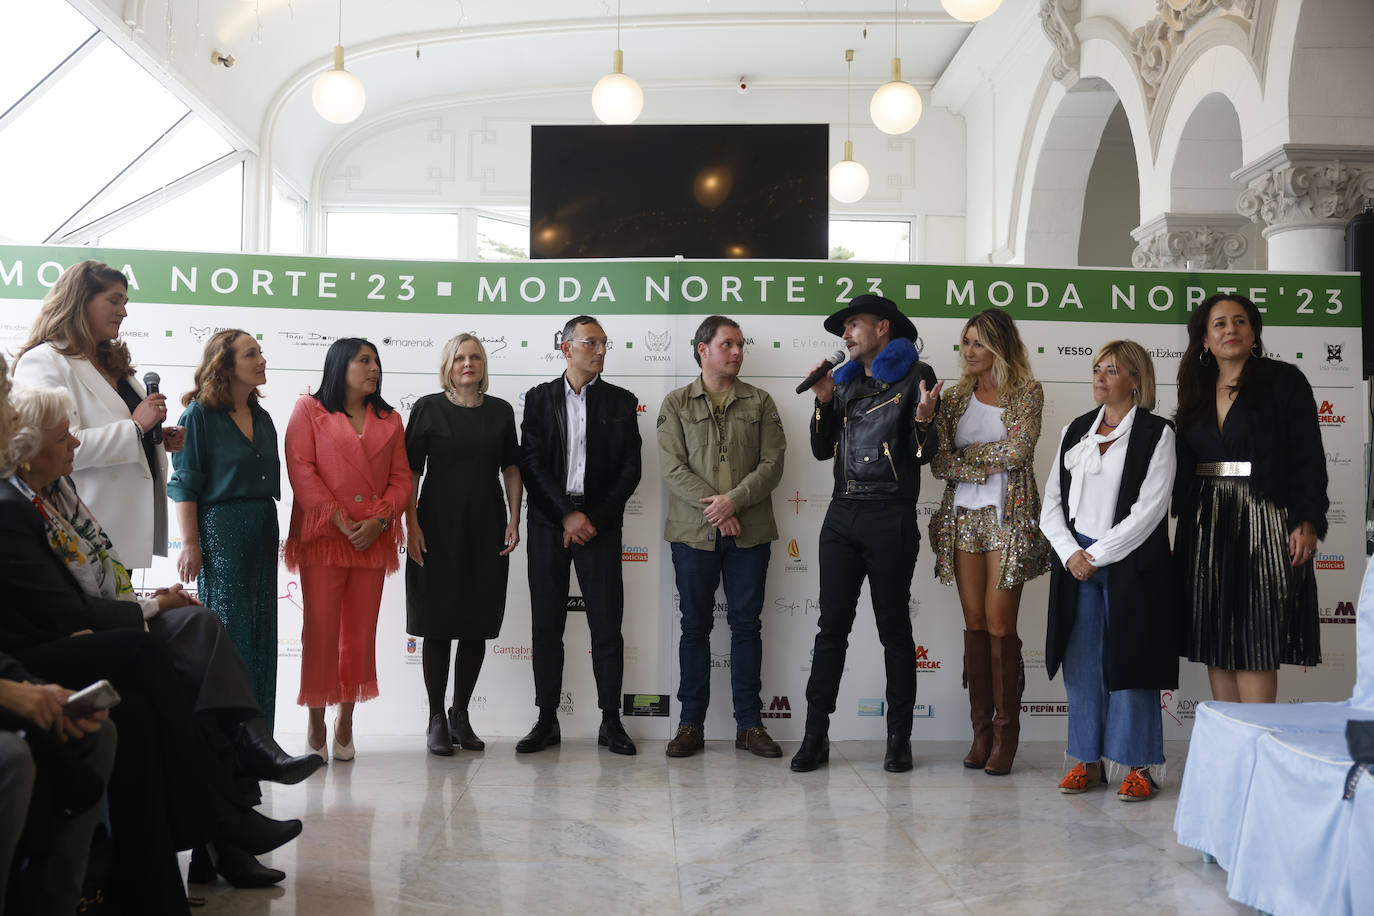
column 1093, row 490
column 576, row 403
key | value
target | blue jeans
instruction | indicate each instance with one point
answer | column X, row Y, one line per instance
column 1122, row 725
column 698, row 572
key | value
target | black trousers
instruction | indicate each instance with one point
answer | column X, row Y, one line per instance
column 876, row 539
column 598, row 572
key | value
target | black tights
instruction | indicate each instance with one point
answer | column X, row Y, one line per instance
column 467, row 664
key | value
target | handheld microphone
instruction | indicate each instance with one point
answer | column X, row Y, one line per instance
column 831, row 361
column 150, row 381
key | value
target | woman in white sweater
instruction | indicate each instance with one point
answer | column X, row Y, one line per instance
column 1113, row 615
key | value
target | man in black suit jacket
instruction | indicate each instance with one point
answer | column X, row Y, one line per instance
column 579, row 460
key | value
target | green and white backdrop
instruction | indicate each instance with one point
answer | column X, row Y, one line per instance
column 297, row 305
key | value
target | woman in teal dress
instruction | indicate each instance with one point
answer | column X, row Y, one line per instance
column 226, row 483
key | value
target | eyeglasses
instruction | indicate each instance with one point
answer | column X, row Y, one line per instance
column 593, row 343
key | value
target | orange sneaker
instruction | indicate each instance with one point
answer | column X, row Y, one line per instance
column 1138, row 785
column 1077, row 781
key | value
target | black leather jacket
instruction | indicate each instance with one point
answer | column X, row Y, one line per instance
column 613, row 460
column 870, row 428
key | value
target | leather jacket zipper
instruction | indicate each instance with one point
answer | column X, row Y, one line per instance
column 890, row 462
column 895, row 399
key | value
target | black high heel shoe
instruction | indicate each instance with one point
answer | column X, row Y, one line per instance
column 240, row 868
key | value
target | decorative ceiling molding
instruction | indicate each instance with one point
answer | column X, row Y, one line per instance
column 1155, row 45
column 1059, row 18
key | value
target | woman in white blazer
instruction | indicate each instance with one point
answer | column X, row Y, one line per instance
column 119, row 470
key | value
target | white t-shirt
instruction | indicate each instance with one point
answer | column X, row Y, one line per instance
column 981, row 423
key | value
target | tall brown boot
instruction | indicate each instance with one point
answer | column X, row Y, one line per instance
column 1007, row 682
column 978, row 680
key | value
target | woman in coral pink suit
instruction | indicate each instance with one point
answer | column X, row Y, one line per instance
column 346, row 458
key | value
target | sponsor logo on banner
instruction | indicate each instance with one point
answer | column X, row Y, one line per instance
column 408, row 342
column 797, row 501
column 641, row 410
column 634, row 506
column 289, row 647
column 634, row 553
column 657, row 344
column 871, row 706
column 814, row 343
column 1337, row 460
column 1075, row 351
column 512, row 653
column 477, row 703
column 1335, row 357
column 1178, row 708
column 200, row 334
column 794, row 558
column 720, row 661
column 1045, row 707
column 1033, row 658
column 924, row 662
column 1165, row 353
column 778, row 708
column 645, row 704
column 407, row 402
column 1343, row 612
column 923, row 711
column 792, row 607
column 565, row 703
column 413, row 654
column 925, row 509
column 1327, row 415
column 1330, row 560
column 576, row 604
column 411, row 644
column 1335, row 513
column 494, row 345
column 308, row 338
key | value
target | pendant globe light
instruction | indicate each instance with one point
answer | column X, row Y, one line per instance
column 338, row 95
column 896, row 105
column 616, row 97
column 970, row 10
column 848, row 179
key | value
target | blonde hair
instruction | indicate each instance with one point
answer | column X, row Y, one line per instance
column 1011, row 367
column 451, row 353
column 1129, row 356
column 6, row 412
column 37, row 411
column 61, row 320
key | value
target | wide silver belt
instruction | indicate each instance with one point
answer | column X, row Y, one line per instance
column 1223, row 469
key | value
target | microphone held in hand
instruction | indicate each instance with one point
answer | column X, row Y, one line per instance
column 151, row 381
column 831, row 361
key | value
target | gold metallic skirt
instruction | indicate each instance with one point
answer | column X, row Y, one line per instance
column 978, row 530
column 1250, row 610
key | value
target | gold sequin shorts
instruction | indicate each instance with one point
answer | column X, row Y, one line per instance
column 978, row 531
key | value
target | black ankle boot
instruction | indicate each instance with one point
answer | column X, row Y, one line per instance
column 814, row 751
column 250, row 830
column 437, row 740
column 460, row 729
column 264, row 758
column 202, row 867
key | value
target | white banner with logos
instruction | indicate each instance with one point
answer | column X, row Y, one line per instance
column 174, row 309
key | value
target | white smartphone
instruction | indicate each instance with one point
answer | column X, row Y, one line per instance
column 98, row 696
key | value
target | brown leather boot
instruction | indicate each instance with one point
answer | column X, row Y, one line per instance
column 1007, row 682
column 978, row 680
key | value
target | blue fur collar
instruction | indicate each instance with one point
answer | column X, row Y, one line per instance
column 891, row 366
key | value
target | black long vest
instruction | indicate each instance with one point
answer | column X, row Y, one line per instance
column 1143, row 600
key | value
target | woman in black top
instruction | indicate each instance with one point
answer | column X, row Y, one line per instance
column 459, row 534
column 1251, row 502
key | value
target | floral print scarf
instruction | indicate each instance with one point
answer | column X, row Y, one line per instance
column 78, row 540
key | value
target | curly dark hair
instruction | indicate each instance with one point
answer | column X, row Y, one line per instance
column 216, row 371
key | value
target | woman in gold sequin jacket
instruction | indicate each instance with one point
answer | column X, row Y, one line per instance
column 986, row 533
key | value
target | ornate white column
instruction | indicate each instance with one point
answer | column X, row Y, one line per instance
column 1302, row 197
column 1194, row 241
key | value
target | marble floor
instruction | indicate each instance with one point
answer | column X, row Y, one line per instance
column 578, row 830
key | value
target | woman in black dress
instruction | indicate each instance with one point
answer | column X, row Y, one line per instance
column 459, row 533
column 1251, row 502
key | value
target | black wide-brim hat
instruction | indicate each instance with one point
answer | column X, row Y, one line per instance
column 879, row 306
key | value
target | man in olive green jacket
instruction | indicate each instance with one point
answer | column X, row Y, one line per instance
column 720, row 446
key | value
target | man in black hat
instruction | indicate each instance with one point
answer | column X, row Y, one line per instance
column 873, row 417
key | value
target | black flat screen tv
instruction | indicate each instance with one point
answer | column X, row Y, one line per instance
column 700, row 191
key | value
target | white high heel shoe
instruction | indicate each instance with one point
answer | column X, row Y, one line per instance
column 342, row 752
column 322, row 750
